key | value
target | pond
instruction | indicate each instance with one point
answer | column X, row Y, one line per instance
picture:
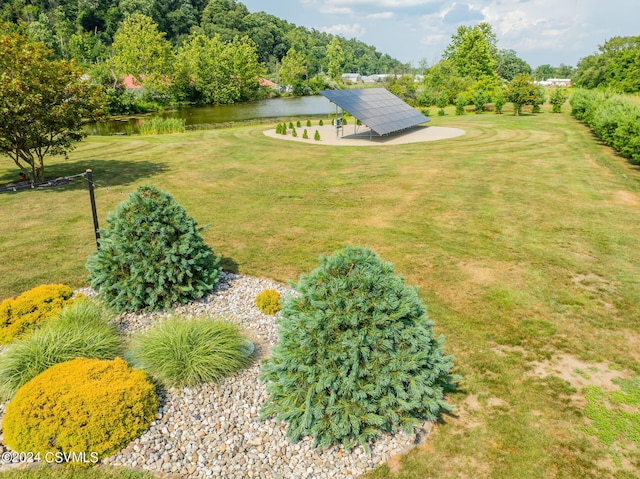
column 272, row 108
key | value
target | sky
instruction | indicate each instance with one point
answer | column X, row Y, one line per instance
column 540, row 31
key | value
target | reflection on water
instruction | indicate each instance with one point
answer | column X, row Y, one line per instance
column 272, row 108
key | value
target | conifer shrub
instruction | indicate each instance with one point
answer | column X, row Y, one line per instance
column 305, row 135
column 80, row 330
column 152, row 255
column 83, row 405
column 316, row 136
column 308, row 122
column 356, row 355
column 290, row 125
column 29, row 310
column 279, row 129
column 185, row 352
column 321, row 123
column 294, row 133
column 298, row 124
column 268, row 301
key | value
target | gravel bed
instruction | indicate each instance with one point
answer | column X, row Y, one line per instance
column 213, row 430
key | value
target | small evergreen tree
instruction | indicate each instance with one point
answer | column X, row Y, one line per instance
column 298, row 124
column 151, row 255
column 294, row 133
column 290, row 126
column 321, row 123
column 279, row 129
column 557, row 98
column 356, row 355
column 283, row 130
column 461, row 102
column 499, row 101
column 316, row 136
column 441, row 102
column 308, row 122
column 305, row 135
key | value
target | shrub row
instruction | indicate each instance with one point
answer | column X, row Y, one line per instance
column 614, row 118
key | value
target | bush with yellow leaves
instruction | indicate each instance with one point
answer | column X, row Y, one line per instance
column 26, row 312
column 84, row 405
column 268, row 301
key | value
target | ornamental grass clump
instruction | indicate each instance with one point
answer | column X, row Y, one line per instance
column 152, row 255
column 85, row 405
column 356, row 355
column 185, row 352
column 80, row 330
column 27, row 312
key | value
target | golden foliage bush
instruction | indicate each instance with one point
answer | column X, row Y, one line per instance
column 268, row 301
column 26, row 312
column 84, row 405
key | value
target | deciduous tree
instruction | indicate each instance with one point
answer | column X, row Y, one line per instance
column 43, row 104
column 473, row 50
column 141, row 50
column 522, row 91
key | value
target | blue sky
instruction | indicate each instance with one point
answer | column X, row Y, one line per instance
column 540, row 31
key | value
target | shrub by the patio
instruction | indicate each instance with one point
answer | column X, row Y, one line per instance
column 84, row 405
column 29, row 310
column 185, row 352
column 268, row 301
column 81, row 330
column 152, row 255
column 356, row 355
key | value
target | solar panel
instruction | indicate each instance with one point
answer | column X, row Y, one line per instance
column 377, row 108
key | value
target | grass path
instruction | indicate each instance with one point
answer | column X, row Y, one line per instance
column 521, row 235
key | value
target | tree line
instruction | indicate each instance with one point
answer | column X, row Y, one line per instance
column 93, row 33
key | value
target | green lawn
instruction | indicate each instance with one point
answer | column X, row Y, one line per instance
column 521, row 235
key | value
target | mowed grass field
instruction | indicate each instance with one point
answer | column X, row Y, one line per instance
column 522, row 237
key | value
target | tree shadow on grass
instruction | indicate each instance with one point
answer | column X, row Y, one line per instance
column 105, row 173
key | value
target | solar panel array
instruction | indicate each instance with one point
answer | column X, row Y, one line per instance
column 377, row 108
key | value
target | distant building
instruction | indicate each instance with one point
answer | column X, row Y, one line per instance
column 352, row 78
column 555, row 82
column 130, row 83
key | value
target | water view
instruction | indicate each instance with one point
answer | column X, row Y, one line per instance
column 272, row 108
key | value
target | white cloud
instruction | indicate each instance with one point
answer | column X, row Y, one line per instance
column 345, row 30
column 380, row 16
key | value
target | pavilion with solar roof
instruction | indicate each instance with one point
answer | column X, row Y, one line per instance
column 377, row 108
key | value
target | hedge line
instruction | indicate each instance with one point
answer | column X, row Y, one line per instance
column 614, row 118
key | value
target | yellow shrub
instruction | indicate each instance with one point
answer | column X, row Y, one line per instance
column 83, row 406
column 268, row 301
column 27, row 311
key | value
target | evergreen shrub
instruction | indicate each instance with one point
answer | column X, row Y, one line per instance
column 29, row 310
column 305, row 134
column 290, row 125
column 321, row 123
column 308, row 122
column 279, row 129
column 316, row 136
column 356, row 355
column 84, row 405
column 268, row 301
column 298, row 124
column 152, row 255
column 294, row 133
column 80, row 330
column 185, row 352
